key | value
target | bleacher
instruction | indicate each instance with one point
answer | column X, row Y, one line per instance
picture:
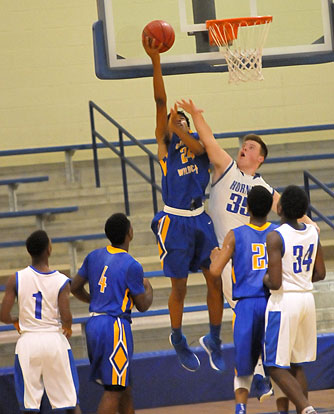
column 13, row 183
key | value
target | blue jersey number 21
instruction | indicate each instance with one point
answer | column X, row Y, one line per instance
column 301, row 258
column 38, row 305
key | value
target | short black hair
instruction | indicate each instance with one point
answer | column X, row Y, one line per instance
column 116, row 228
column 37, row 243
column 184, row 116
column 294, row 202
column 259, row 201
column 258, row 139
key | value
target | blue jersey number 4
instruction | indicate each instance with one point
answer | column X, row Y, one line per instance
column 301, row 258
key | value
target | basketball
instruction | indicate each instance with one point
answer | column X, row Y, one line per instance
column 162, row 32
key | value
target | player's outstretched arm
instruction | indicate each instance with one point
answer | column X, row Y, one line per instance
column 144, row 300
column 276, row 198
column 220, row 257
column 78, row 289
column 193, row 144
column 160, row 97
column 319, row 270
column 218, row 156
column 273, row 278
column 8, row 302
column 65, row 311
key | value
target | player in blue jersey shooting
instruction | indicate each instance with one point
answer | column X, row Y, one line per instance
column 116, row 283
column 184, row 232
column 246, row 246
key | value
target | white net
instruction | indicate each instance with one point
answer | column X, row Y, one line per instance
column 241, row 42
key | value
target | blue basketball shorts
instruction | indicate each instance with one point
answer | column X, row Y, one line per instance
column 110, row 349
column 184, row 243
column 248, row 333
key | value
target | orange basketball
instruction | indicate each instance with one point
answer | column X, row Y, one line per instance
column 162, row 32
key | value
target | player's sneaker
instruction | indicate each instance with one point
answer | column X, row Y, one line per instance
column 311, row 410
column 214, row 351
column 263, row 387
column 187, row 358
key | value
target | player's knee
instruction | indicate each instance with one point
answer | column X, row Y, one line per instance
column 179, row 290
column 243, row 382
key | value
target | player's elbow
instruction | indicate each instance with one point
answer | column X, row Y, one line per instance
column 199, row 151
column 143, row 306
column 275, row 285
column 144, row 301
column 160, row 101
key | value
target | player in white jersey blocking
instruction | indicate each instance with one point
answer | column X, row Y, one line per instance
column 295, row 260
column 231, row 182
column 43, row 356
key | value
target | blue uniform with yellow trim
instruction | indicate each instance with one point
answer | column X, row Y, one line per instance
column 249, row 265
column 184, row 232
column 185, row 176
column 113, row 276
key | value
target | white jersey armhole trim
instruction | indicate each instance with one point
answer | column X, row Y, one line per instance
column 282, row 238
column 224, row 173
column 65, row 283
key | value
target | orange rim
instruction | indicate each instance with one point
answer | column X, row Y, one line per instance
column 228, row 28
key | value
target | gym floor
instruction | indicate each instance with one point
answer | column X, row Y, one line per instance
column 322, row 400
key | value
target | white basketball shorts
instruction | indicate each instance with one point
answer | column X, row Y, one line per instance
column 44, row 359
column 291, row 334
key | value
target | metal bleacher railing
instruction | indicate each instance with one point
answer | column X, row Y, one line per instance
column 153, row 158
column 69, row 151
column 307, row 178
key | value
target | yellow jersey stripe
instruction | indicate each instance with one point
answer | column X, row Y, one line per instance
column 163, row 165
column 125, row 300
column 233, row 276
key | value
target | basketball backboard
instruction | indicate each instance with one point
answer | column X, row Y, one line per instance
column 301, row 33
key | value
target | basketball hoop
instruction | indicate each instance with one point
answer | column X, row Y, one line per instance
column 241, row 41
